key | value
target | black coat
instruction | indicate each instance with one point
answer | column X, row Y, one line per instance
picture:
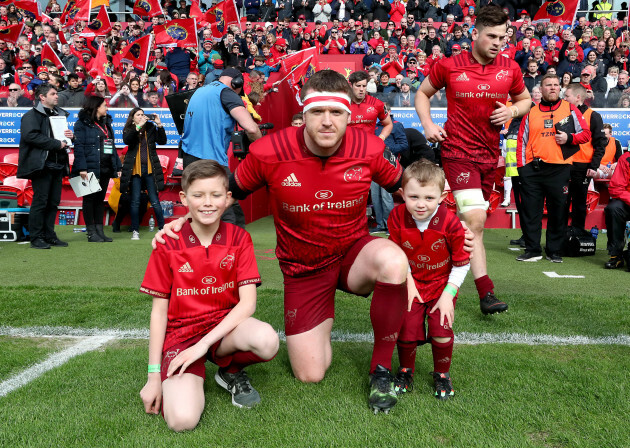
column 36, row 142
column 88, row 144
column 131, row 137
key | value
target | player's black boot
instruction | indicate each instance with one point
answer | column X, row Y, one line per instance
column 443, row 385
column 404, row 380
column 491, row 305
column 382, row 395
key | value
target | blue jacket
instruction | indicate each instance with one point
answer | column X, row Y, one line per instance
column 178, row 62
column 397, row 140
column 88, row 144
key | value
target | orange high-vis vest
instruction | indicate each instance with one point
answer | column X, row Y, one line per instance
column 585, row 154
column 611, row 150
column 542, row 134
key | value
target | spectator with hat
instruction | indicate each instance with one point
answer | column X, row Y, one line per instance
column 359, row 46
column 213, row 75
column 404, row 98
column 376, row 55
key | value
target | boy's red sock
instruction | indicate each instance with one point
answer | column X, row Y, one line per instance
column 240, row 360
column 442, row 354
column 407, row 354
column 386, row 313
column 484, row 286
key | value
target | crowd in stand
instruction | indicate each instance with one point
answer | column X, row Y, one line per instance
column 399, row 43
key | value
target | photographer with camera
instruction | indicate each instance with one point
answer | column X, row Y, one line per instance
column 213, row 112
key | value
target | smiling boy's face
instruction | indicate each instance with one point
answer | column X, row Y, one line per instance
column 422, row 200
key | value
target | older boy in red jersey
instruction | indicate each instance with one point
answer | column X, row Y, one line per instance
column 204, row 294
column 477, row 88
column 433, row 240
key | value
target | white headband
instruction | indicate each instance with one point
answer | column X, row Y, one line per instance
column 327, row 99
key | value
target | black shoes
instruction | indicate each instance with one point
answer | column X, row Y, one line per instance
column 519, row 242
column 491, row 305
column 554, row 257
column 615, row 262
column 529, row 256
column 39, row 243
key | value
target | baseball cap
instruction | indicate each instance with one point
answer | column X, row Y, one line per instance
column 585, row 71
column 456, row 47
column 231, row 72
column 412, row 58
column 260, row 28
column 359, row 32
column 523, row 12
column 161, row 66
column 218, row 63
column 281, row 42
column 268, row 24
column 41, row 69
column 301, row 16
column 207, row 41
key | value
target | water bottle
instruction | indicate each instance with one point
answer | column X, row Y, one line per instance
column 594, row 232
column 151, row 224
column 62, row 218
column 78, row 229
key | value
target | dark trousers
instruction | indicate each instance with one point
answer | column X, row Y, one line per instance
column 138, row 183
column 517, row 191
column 578, row 193
column 94, row 204
column 234, row 214
column 46, row 197
column 550, row 182
column 617, row 213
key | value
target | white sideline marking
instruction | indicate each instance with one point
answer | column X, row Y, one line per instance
column 337, row 336
column 556, row 275
column 54, row 360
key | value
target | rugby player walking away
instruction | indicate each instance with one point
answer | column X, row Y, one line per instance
column 477, row 88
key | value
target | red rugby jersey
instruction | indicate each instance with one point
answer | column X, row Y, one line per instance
column 472, row 90
column 318, row 203
column 432, row 253
column 201, row 283
column 365, row 115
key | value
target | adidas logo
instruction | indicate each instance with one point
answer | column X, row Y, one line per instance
column 408, row 245
column 185, row 268
column 391, row 338
column 291, row 181
column 462, row 77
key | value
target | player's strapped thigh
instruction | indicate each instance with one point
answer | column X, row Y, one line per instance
column 309, row 300
column 470, row 199
column 434, row 329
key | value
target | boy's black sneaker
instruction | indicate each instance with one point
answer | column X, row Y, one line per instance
column 404, row 380
column 243, row 394
column 519, row 242
column 529, row 256
column 443, row 385
column 491, row 305
column 554, row 258
column 615, row 262
column 39, row 243
column 382, row 394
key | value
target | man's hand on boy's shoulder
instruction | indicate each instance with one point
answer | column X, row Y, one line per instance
column 171, row 230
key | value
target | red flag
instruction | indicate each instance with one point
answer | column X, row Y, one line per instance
column 288, row 96
column 75, row 11
column 176, row 33
column 103, row 68
column 62, row 37
column 300, row 73
column 221, row 16
column 137, row 53
column 30, row 8
column 49, row 55
column 148, row 8
column 195, row 10
column 100, row 26
column 11, row 33
column 288, row 63
column 557, row 11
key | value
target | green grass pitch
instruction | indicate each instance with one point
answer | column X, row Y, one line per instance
column 557, row 378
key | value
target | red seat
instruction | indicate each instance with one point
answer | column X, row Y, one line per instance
column 28, row 195
column 12, row 158
column 592, row 199
column 7, row 169
column 19, row 185
column 164, row 161
column 495, row 197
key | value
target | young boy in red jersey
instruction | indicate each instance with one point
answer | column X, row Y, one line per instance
column 204, row 294
column 433, row 240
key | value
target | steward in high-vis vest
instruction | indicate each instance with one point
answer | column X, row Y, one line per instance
column 545, row 144
column 587, row 160
column 603, row 5
column 613, row 153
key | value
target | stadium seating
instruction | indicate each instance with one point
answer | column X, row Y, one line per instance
column 7, row 169
column 19, row 184
column 164, row 161
column 12, row 158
